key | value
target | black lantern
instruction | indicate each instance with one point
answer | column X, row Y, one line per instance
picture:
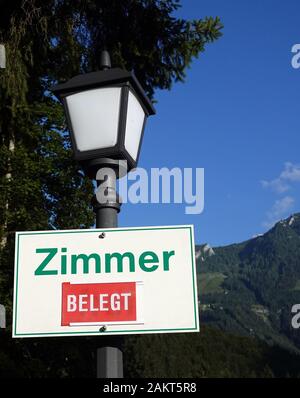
column 106, row 112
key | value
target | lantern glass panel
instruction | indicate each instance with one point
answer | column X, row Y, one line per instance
column 134, row 125
column 94, row 117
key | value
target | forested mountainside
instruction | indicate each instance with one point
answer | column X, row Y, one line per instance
column 249, row 288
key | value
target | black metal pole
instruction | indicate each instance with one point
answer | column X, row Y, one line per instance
column 106, row 204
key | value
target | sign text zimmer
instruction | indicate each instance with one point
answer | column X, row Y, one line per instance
column 58, row 261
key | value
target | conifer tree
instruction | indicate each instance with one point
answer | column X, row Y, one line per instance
column 46, row 42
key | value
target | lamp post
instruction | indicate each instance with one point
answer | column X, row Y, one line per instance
column 106, row 113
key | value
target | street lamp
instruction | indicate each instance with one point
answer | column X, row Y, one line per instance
column 106, row 113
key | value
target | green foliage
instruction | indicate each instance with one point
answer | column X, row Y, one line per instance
column 210, row 353
column 141, row 35
column 261, row 285
column 41, row 186
column 210, row 282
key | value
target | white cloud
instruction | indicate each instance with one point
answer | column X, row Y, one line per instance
column 276, row 185
column 290, row 174
column 280, row 209
column 281, row 206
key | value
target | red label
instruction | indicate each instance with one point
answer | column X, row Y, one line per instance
column 98, row 302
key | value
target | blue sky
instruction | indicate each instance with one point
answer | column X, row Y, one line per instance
column 237, row 117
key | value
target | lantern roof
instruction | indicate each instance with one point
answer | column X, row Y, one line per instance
column 104, row 78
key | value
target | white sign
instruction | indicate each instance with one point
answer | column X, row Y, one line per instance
column 105, row 281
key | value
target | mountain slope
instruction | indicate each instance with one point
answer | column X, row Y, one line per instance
column 210, row 353
column 250, row 288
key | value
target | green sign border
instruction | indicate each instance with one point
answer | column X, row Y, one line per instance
column 15, row 307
